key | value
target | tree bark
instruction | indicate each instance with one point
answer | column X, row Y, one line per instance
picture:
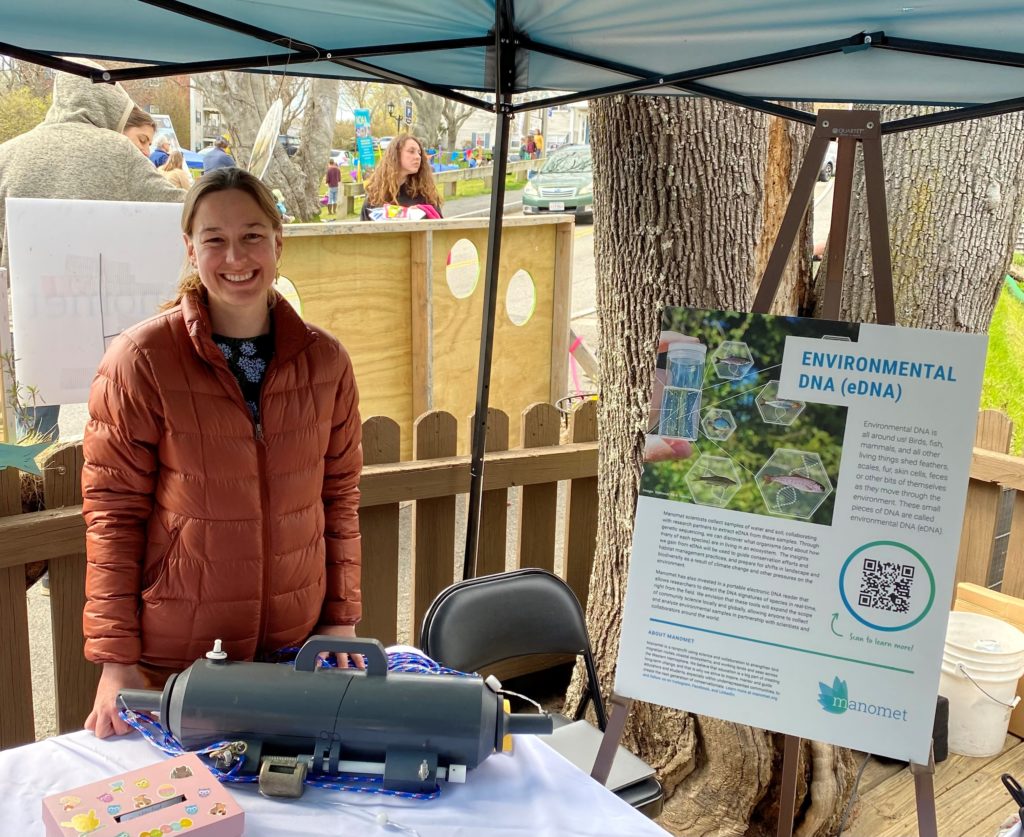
column 955, row 199
column 244, row 98
column 690, row 195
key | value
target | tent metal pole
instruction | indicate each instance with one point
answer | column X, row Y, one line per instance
column 950, row 117
column 505, row 53
column 300, row 56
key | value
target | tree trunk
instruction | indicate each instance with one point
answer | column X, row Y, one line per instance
column 691, row 193
column 954, row 203
column 243, row 99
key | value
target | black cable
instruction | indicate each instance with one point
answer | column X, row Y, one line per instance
column 853, row 795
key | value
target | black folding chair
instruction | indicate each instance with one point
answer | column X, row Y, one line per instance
column 483, row 621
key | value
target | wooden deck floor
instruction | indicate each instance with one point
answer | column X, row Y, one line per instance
column 970, row 801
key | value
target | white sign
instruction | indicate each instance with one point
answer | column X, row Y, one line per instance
column 792, row 568
column 80, row 273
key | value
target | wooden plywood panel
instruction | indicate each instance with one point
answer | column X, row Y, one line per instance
column 378, row 526
column 522, row 358
column 357, row 287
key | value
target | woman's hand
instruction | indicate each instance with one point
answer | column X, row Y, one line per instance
column 104, row 719
column 349, row 632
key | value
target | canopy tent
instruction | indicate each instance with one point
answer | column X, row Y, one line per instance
column 751, row 52
column 941, row 52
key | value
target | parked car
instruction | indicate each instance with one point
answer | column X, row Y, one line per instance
column 828, row 167
column 565, row 183
column 383, row 143
column 340, row 156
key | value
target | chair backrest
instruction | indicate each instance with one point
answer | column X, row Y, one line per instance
column 485, row 620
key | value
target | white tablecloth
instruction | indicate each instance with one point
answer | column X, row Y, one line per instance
column 532, row 793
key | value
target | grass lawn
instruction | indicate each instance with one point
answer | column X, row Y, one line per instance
column 1003, row 386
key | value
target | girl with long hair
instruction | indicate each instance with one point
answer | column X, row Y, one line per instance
column 403, row 179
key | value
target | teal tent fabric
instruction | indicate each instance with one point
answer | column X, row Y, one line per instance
column 563, row 45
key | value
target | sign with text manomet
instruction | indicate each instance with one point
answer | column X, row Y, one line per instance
column 796, row 536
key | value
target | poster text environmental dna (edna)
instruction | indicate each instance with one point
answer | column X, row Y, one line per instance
column 796, row 539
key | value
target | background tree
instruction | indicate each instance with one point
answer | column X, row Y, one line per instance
column 243, row 99
column 692, row 192
column 437, row 121
column 20, row 111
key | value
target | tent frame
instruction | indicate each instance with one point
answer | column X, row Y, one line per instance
column 505, row 44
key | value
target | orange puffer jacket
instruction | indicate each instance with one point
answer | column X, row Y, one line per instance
column 201, row 525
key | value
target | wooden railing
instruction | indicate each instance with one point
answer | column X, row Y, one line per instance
column 430, row 483
column 394, row 601
column 992, row 541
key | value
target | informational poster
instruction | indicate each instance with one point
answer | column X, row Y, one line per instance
column 796, row 536
column 364, row 139
column 80, row 273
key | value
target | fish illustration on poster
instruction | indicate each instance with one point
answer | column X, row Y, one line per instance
column 22, row 457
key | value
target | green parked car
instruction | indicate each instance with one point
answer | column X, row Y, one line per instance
column 565, row 183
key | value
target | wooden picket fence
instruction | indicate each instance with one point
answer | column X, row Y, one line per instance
column 431, row 482
column 991, row 546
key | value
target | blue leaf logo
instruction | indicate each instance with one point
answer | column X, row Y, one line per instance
column 834, row 699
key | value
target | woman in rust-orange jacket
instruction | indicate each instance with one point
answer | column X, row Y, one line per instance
column 220, row 497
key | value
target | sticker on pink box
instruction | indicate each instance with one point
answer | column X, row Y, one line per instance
column 177, row 796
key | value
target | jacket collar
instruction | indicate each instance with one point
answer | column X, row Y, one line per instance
column 291, row 334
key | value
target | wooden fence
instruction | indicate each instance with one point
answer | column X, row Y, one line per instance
column 431, row 482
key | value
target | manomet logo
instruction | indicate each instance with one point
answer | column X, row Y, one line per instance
column 835, row 699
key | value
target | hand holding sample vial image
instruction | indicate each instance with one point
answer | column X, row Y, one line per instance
column 676, row 390
column 680, row 400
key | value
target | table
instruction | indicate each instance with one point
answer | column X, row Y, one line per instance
column 534, row 792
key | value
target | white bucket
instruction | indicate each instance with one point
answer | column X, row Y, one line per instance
column 982, row 661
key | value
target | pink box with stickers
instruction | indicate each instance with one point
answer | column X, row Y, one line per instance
column 177, row 796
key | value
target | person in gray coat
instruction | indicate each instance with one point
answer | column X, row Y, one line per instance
column 78, row 153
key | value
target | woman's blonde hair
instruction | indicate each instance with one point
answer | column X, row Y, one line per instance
column 219, row 180
column 383, row 187
column 175, row 160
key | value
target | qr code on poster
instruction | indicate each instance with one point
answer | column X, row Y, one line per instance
column 886, row 585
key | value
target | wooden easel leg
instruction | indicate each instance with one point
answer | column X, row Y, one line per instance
column 878, row 224
column 612, row 737
column 787, row 794
column 924, row 793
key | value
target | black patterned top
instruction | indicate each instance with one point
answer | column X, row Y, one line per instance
column 248, row 358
